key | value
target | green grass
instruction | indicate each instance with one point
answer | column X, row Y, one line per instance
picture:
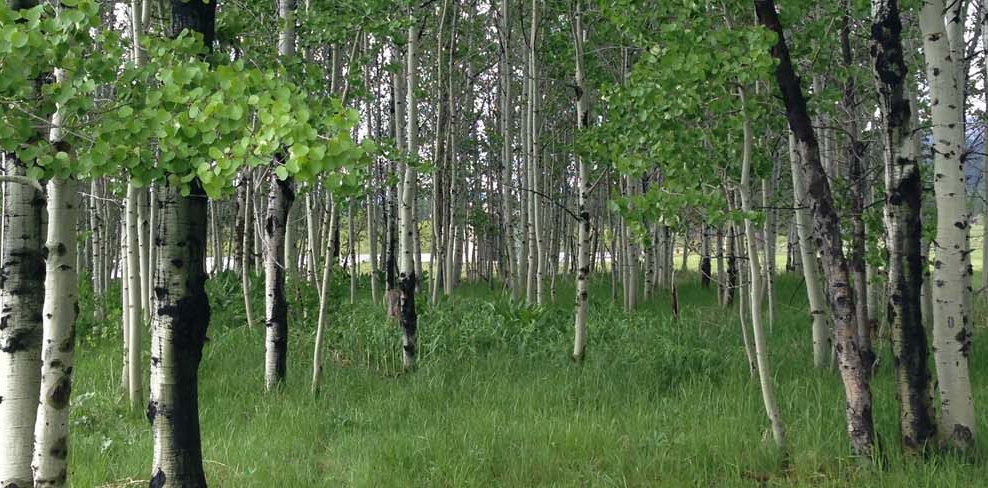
column 497, row 402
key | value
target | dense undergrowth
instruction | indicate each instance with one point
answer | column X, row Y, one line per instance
column 496, row 400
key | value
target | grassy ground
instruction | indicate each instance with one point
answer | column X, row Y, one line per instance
column 497, row 402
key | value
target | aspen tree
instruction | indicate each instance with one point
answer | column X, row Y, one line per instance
column 507, row 153
column 857, row 391
column 60, row 310
column 903, row 228
column 22, row 269
column 855, row 157
column 327, row 272
column 583, row 183
column 755, row 289
column 248, row 232
column 281, row 195
column 951, row 316
column 408, row 317
column 22, row 276
column 133, row 261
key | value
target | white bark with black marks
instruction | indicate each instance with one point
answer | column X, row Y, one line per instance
column 61, row 308
column 22, row 274
column 952, row 262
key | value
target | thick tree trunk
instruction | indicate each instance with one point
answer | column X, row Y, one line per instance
column 60, row 311
column 854, row 374
column 179, row 321
column 903, row 229
column 951, row 318
column 22, row 276
column 180, row 308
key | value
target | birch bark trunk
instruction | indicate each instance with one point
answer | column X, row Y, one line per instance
column 857, row 391
column 903, row 229
column 952, row 337
column 22, row 275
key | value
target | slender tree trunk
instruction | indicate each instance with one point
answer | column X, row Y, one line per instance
column 822, row 345
column 143, row 236
column 755, row 289
column 327, row 273
column 743, row 308
column 246, row 260
column 721, row 272
column 372, row 242
column 133, row 262
column 408, row 317
column 855, row 156
column 705, row 258
column 134, row 322
column 352, row 244
column 858, row 407
column 583, row 239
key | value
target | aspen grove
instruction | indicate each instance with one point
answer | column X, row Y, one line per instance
column 493, row 243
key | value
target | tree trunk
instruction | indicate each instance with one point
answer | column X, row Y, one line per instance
column 822, row 345
column 179, row 321
column 507, row 155
column 854, row 374
column 951, row 319
column 280, row 198
column 134, row 322
column 855, row 156
column 22, row 276
column 583, row 239
column 903, row 230
column 327, row 273
column 408, row 318
column 281, row 195
column 248, row 234
column 755, row 290
column 60, row 311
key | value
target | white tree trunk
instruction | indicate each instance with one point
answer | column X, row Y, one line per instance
column 406, row 218
column 22, row 272
column 807, row 251
column 951, row 318
column 327, row 273
column 755, row 289
column 179, row 319
column 134, row 322
column 583, row 237
column 51, row 429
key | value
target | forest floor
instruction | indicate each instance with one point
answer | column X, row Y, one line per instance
column 496, row 400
